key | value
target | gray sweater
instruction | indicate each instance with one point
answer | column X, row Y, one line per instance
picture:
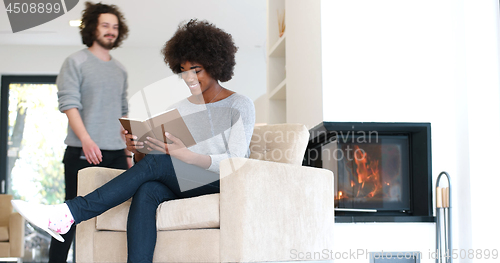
column 98, row 89
column 221, row 129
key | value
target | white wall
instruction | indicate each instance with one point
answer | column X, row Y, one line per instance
column 482, row 69
column 416, row 61
column 303, row 63
column 144, row 65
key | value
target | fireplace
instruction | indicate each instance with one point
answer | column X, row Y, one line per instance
column 382, row 171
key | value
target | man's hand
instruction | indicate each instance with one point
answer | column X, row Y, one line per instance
column 91, row 151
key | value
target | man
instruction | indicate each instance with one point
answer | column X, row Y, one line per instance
column 93, row 94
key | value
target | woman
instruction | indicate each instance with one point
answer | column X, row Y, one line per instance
column 221, row 122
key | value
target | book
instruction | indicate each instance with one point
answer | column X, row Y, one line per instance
column 169, row 121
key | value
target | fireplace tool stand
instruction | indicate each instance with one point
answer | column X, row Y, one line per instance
column 443, row 221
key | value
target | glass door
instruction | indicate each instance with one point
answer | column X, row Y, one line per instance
column 32, row 149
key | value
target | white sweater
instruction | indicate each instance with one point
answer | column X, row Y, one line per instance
column 221, row 129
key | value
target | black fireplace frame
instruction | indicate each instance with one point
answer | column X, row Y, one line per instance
column 419, row 135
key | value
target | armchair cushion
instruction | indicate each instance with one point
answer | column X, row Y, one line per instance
column 191, row 213
column 282, row 143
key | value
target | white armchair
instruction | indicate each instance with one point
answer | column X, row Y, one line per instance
column 11, row 230
column 269, row 206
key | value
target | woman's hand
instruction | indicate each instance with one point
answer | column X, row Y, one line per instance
column 132, row 144
column 175, row 149
column 178, row 150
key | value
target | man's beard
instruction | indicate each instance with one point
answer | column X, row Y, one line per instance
column 103, row 42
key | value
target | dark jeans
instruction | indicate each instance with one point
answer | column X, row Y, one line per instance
column 153, row 180
column 58, row 251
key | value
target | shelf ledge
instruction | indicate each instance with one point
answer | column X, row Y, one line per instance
column 279, row 93
column 278, row 49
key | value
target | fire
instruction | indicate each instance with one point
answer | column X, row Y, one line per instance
column 365, row 176
column 360, row 158
column 368, row 173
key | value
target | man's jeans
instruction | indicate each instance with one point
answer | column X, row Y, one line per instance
column 153, row 180
column 58, row 251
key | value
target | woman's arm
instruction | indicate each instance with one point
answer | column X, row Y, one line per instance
column 237, row 141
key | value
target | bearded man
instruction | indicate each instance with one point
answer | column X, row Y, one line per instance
column 92, row 91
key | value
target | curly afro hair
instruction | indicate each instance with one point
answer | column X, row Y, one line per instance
column 202, row 42
column 90, row 19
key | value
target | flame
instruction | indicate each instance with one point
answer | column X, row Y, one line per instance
column 340, row 195
column 368, row 173
column 366, row 177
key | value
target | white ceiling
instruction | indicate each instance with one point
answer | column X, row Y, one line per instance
column 152, row 22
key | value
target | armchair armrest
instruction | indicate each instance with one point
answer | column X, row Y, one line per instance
column 90, row 179
column 268, row 210
column 16, row 235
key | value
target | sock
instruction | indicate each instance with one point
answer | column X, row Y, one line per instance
column 60, row 219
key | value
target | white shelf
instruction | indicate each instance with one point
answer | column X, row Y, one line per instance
column 279, row 93
column 276, row 63
column 294, row 60
column 278, row 49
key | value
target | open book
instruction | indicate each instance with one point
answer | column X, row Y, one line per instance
column 169, row 121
